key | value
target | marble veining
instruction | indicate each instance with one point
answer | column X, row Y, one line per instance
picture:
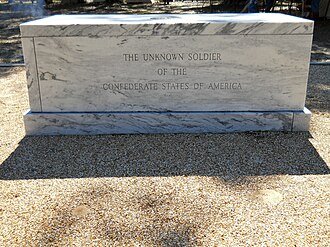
column 166, row 19
column 166, row 73
column 144, row 122
column 31, row 74
column 166, row 25
column 252, row 73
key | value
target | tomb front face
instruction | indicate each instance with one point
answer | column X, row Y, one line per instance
column 167, row 63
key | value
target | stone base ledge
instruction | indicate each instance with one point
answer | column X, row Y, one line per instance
column 85, row 123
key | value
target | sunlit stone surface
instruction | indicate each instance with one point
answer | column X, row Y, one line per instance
column 98, row 74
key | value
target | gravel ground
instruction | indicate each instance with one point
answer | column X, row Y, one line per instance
column 247, row 189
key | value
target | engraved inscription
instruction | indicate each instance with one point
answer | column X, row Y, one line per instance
column 171, row 71
column 171, row 86
column 192, row 56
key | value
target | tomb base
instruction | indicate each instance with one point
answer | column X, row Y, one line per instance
column 85, row 123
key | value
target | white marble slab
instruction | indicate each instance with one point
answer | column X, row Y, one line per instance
column 146, row 122
column 301, row 120
column 248, row 73
column 115, row 74
column 166, row 24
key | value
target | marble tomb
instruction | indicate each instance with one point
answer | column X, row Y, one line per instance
column 166, row 73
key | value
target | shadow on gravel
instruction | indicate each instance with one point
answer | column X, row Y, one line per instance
column 226, row 156
column 318, row 90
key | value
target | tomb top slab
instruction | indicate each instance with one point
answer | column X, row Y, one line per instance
column 166, row 24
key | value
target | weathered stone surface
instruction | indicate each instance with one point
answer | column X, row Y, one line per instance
column 146, row 122
column 189, row 64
